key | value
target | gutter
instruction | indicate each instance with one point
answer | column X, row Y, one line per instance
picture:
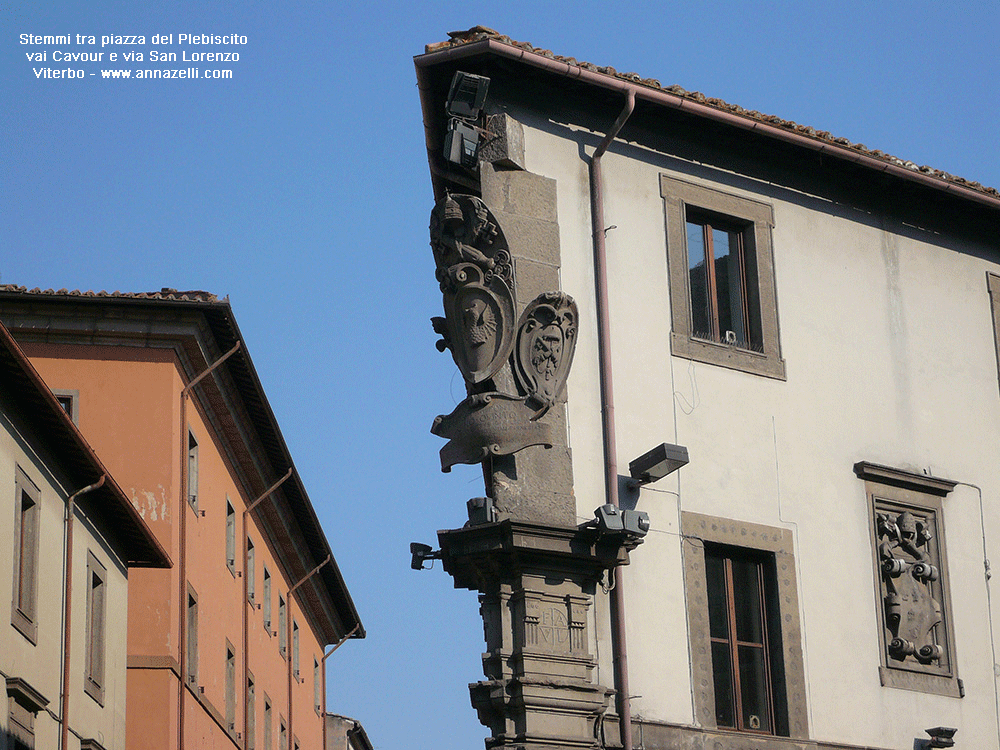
column 618, row 643
column 182, row 543
column 291, row 646
column 67, row 608
column 675, row 101
column 246, row 589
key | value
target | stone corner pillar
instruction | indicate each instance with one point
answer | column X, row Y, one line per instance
column 536, row 584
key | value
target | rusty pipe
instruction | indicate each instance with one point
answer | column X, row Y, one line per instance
column 289, row 645
column 67, row 606
column 326, row 656
column 182, row 543
column 618, row 647
column 246, row 591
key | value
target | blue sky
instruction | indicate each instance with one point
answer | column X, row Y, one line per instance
column 300, row 189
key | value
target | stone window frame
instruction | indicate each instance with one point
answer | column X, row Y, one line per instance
column 697, row 529
column 97, row 607
column 24, row 609
column 24, row 703
column 758, row 219
column 69, row 400
column 230, row 536
column 890, row 488
column 192, row 471
column 191, row 657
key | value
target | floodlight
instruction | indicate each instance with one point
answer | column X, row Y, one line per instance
column 467, row 95
column 653, row 465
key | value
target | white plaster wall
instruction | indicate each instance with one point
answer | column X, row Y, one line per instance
column 888, row 341
column 41, row 664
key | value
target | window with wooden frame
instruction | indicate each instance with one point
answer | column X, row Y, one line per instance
column 97, row 593
column 27, row 512
column 744, row 624
column 250, row 571
column 192, row 471
column 251, row 715
column 230, row 537
column 268, row 719
column 722, row 288
column 266, row 603
column 192, row 638
column 742, row 614
column 230, row 686
column 282, row 627
column 317, row 686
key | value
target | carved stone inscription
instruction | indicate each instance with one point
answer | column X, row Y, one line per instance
column 910, row 580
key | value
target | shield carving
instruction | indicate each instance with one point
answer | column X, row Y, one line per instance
column 476, row 276
column 546, row 341
column 479, row 317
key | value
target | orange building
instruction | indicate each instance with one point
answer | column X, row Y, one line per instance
column 227, row 648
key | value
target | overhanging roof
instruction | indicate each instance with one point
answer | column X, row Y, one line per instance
column 481, row 42
column 75, row 458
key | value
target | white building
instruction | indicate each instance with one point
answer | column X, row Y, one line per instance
column 833, row 373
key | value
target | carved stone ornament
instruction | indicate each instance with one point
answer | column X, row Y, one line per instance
column 476, row 278
column 488, row 423
column 546, row 341
column 912, row 612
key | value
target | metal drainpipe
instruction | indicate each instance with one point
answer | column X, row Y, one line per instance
column 326, row 656
column 182, row 540
column 608, row 408
column 289, row 645
column 246, row 592
column 67, row 602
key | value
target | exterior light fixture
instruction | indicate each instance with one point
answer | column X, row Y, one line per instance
column 467, row 95
column 632, row 524
column 420, row 552
column 653, row 465
column 465, row 101
column 941, row 737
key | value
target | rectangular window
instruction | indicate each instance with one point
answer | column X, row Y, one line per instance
column 282, row 734
column 251, row 715
column 96, row 608
column 250, row 571
column 192, row 475
column 317, row 686
column 743, row 617
column 295, row 648
column 719, row 271
column 266, row 604
column 192, row 638
column 70, row 402
column 230, row 686
column 282, row 626
column 27, row 499
column 267, row 723
column 722, row 287
column 914, row 604
column 230, row 537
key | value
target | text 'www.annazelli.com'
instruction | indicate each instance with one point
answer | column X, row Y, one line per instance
column 167, row 73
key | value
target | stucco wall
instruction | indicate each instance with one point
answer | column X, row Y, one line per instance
column 886, row 331
column 40, row 663
column 129, row 410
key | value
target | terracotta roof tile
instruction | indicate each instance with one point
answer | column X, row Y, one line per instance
column 166, row 293
column 483, row 33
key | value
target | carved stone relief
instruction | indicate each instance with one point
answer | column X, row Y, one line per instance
column 474, row 269
column 910, row 592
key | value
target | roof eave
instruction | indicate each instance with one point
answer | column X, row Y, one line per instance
column 665, row 98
